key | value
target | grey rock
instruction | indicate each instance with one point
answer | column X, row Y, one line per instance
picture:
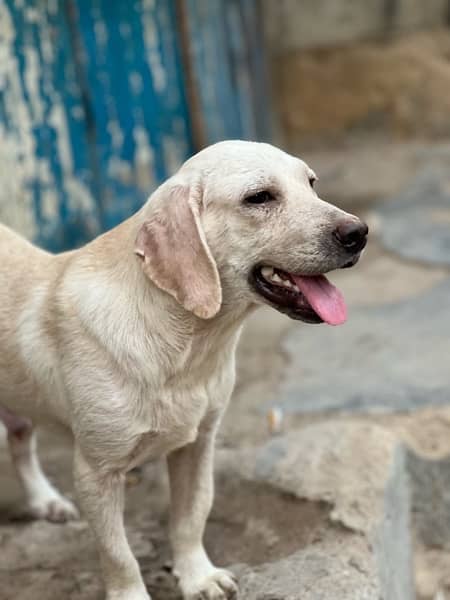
column 319, row 572
column 385, row 359
column 358, row 470
column 392, row 537
column 415, row 224
column 430, row 484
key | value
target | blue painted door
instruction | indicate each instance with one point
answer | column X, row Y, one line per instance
column 100, row 100
column 226, row 50
column 138, row 115
column 46, row 179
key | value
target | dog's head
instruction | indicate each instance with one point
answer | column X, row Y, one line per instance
column 241, row 223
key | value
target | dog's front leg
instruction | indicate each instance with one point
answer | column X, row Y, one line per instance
column 191, row 485
column 101, row 497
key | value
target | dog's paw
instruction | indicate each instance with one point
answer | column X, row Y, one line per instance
column 218, row 585
column 55, row 509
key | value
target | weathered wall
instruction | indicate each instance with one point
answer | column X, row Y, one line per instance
column 358, row 66
column 34, row 125
column 100, row 101
column 297, row 24
column 402, row 87
column 92, row 113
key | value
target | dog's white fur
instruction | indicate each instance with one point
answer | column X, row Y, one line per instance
column 129, row 342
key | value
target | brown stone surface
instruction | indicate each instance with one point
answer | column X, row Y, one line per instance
column 402, row 87
column 295, row 24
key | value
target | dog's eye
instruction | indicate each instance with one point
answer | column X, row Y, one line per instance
column 312, row 181
column 260, row 198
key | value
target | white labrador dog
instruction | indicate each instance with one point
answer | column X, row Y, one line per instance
column 129, row 342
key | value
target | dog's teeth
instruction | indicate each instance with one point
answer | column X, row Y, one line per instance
column 270, row 275
column 295, row 288
column 267, row 272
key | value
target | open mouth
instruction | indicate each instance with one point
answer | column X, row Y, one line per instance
column 309, row 298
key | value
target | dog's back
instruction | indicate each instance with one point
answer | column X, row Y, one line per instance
column 25, row 275
column 22, row 265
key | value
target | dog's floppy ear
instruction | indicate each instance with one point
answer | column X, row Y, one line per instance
column 175, row 254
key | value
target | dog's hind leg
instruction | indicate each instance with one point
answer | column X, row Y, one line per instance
column 43, row 500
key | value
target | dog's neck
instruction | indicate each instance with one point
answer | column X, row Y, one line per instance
column 157, row 326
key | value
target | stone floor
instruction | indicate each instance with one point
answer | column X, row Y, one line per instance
column 355, row 398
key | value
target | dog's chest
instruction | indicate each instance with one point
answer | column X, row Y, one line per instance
column 174, row 418
column 152, row 445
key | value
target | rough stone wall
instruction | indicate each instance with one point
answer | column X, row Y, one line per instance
column 298, row 24
column 349, row 67
column 402, row 87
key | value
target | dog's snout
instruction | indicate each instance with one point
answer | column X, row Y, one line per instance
column 352, row 234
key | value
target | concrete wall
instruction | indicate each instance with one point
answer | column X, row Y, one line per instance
column 296, row 24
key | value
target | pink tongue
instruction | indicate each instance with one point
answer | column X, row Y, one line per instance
column 326, row 300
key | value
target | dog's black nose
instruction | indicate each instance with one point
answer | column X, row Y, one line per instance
column 352, row 234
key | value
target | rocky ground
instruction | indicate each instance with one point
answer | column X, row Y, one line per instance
column 353, row 490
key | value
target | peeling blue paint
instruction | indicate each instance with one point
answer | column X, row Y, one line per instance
column 132, row 121
column 93, row 108
column 56, row 93
column 227, row 47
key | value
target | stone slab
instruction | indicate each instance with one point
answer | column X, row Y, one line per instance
column 323, row 571
column 387, row 358
column 416, row 224
column 430, row 486
column 358, row 471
